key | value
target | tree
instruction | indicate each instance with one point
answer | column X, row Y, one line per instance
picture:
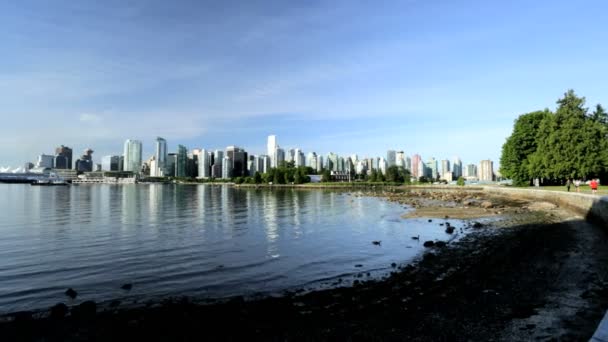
column 297, row 178
column 257, row 178
column 519, row 147
column 599, row 115
column 373, row 177
column 326, row 176
column 423, row 179
column 460, row 181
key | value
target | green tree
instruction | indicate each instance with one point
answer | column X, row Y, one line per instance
column 297, row 178
column 326, row 176
column 257, row 178
column 599, row 115
column 516, row 154
column 423, row 179
column 460, row 181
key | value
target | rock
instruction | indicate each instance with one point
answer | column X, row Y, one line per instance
column 477, row 224
column 86, row 309
column 486, row 204
column 71, row 293
column 127, row 287
column 449, row 230
column 467, row 203
column 58, row 311
column 430, row 220
column 541, row 206
column 393, row 265
column 429, row 243
column 440, row 244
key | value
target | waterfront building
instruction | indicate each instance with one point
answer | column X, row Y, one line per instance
column 132, row 155
column 61, row 162
column 181, row 161
column 360, row 167
column 28, row 166
column 266, row 164
column 408, row 164
column 486, row 170
column 45, row 161
column 216, row 167
column 227, row 167
column 279, row 156
column 204, row 164
column 312, row 161
column 238, row 158
column 416, row 162
column 192, row 163
column 160, row 155
column 290, row 156
column 400, row 159
column 171, row 162
column 320, row 163
column 332, row 161
column 298, row 157
column 66, row 153
column 272, row 147
column 457, row 167
column 447, row 176
column 85, row 162
column 445, row 166
column 431, row 164
column 354, row 158
column 382, row 165
column 391, row 158
column 110, row 163
column 471, row 170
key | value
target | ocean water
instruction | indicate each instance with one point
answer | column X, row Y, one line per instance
column 204, row 241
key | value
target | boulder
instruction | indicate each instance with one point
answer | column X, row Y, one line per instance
column 486, row 204
column 429, row 243
column 440, row 244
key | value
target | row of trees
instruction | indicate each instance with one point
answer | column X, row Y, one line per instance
column 570, row 143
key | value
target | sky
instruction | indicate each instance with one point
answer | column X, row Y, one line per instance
column 437, row 78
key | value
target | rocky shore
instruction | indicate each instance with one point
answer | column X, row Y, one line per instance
column 534, row 272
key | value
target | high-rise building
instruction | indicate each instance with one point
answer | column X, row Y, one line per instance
column 471, row 171
column 85, row 162
column 391, row 158
column 61, row 162
column 486, row 170
column 279, row 155
column 272, row 147
column 416, row 162
column 320, row 164
column 171, row 164
column 227, row 168
column 431, row 164
column 192, row 163
column 65, row 152
column 408, row 164
column 312, row 161
column 45, row 161
column 298, row 157
column 110, row 163
column 204, row 164
column 238, row 158
column 181, row 161
column 400, row 159
column 290, row 155
column 216, row 168
column 445, row 166
column 456, row 167
column 383, row 165
column 160, row 157
column 132, row 155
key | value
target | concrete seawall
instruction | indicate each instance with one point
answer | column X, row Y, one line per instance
column 591, row 207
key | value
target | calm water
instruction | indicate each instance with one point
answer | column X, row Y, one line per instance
column 196, row 240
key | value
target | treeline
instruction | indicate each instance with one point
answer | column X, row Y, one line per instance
column 570, row 143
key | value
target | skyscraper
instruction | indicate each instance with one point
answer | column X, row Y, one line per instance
column 457, row 167
column 45, row 161
column 416, row 161
column 66, row 152
column 181, row 161
column 238, row 158
column 160, row 157
column 110, row 163
column 271, row 149
column 132, row 155
column 486, row 172
column 445, row 166
column 400, row 159
column 216, row 168
column 298, row 157
column 204, row 164
column 85, row 162
column 431, row 164
column 391, row 158
column 227, row 168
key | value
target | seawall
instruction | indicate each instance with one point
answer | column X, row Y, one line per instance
column 592, row 207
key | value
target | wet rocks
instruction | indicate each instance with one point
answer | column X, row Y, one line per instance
column 477, row 224
column 450, row 229
column 429, row 243
column 487, row 204
column 440, row 244
column 71, row 293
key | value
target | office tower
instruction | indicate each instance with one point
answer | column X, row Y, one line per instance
column 408, row 164
column 290, row 155
column 66, row 153
column 110, row 163
column 298, row 158
column 416, row 161
column 445, row 166
column 132, row 156
column 192, row 163
column 216, row 168
column 251, row 165
column 279, row 156
column 160, row 157
column 264, row 163
column 204, row 164
column 312, row 161
column 320, row 164
column 171, row 164
column 391, row 157
column 45, row 161
column 457, row 167
column 360, row 167
column 431, row 164
column 486, row 170
column 85, row 162
column 354, row 158
column 472, row 171
column 181, row 160
column 227, row 167
column 400, row 159
column 383, row 165
column 271, row 149
column 238, row 158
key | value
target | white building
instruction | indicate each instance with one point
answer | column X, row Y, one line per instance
column 46, row 161
column 204, row 164
column 227, row 167
column 383, row 165
column 299, row 158
column 486, row 172
column 272, row 147
column 132, row 155
column 159, row 170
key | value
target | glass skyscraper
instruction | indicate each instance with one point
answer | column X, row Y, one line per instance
column 132, row 155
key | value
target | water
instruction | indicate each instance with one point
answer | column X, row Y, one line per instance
column 196, row 240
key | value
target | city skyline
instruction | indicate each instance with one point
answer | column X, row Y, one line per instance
column 96, row 73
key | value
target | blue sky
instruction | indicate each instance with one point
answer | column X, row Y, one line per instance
column 438, row 78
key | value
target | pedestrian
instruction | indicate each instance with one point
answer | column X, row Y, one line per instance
column 577, row 184
column 568, row 184
column 593, row 185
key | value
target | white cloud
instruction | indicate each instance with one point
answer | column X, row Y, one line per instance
column 92, row 118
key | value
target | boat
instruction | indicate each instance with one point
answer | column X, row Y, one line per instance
column 49, row 182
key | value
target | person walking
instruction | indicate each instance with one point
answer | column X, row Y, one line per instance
column 593, row 185
column 577, row 184
column 568, row 184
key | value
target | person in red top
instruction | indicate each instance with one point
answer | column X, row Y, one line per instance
column 593, row 185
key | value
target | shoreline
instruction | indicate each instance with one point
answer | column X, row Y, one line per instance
column 446, row 294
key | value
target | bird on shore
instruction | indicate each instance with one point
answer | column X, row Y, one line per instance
column 377, row 242
column 416, row 237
